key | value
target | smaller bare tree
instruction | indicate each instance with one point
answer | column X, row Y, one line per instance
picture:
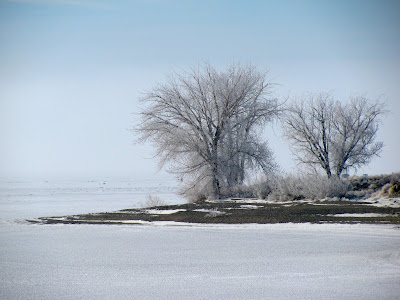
column 308, row 125
column 355, row 126
column 333, row 136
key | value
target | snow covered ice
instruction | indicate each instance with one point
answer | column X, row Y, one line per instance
column 33, row 198
column 162, row 261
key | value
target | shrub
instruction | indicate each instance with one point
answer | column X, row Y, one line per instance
column 241, row 191
column 289, row 188
column 262, row 189
column 195, row 196
column 395, row 178
column 283, row 188
column 358, row 194
column 299, row 187
column 317, row 187
column 385, row 189
column 194, row 192
column 214, row 213
column 394, row 191
column 153, row 201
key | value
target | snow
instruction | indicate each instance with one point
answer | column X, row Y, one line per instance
column 366, row 215
column 380, row 201
column 210, row 212
column 161, row 261
column 383, row 201
column 249, row 206
column 240, row 200
column 169, row 260
column 163, row 211
column 21, row 199
column 204, row 210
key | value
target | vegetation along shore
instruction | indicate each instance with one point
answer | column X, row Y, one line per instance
column 366, row 199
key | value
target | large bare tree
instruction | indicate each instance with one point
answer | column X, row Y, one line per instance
column 331, row 135
column 203, row 123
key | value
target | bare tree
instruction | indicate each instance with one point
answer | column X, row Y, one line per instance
column 201, row 120
column 355, row 126
column 308, row 125
column 333, row 136
column 242, row 151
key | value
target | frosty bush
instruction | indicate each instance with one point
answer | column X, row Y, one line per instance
column 262, row 189
column 317, row 187
column 299, row 187
column 392, row 189
column 194, row 192
column 153, row 201
column 214, row 213
column 287, row 188
column 282, row 188
column 395, row 178
column 241, row 191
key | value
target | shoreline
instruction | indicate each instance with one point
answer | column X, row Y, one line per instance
column 246, row 211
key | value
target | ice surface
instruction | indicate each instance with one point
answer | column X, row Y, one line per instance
column 27, row 199
column 285, row 261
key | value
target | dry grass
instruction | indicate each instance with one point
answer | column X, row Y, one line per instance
column 232, row 212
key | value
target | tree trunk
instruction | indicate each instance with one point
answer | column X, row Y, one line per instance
column 328, row 172
column 339, row 172
column 215, row 182
column 215, row 173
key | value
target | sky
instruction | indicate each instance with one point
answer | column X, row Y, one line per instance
column 72, row 71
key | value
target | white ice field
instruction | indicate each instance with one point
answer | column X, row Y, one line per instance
column 166, row 261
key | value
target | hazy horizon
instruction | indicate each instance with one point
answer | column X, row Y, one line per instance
column 71, row 72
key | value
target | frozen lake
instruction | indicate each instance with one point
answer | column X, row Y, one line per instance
column 284, row 261
column 33, row 198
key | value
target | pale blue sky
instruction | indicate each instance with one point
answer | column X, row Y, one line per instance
column 71, row 72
